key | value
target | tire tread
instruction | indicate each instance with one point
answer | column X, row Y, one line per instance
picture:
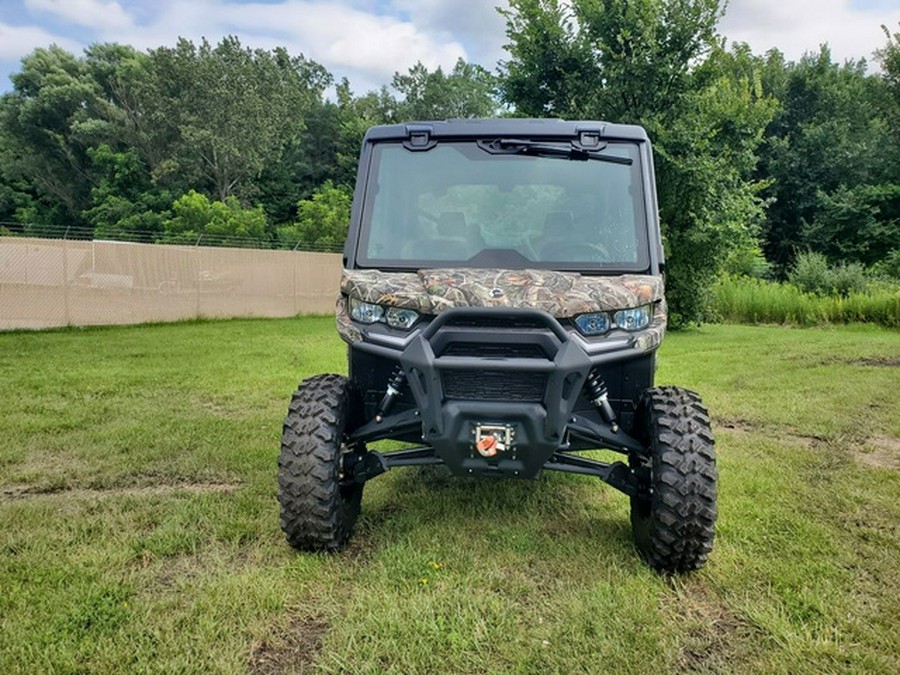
column 316, row 512
column 677, row 534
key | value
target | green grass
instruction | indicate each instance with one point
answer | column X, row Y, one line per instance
column 753, row 301
column 140, row 527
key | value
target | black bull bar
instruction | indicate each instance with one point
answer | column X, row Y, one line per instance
column 536, row 428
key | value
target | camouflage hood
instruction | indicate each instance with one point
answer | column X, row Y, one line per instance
column 562, row 294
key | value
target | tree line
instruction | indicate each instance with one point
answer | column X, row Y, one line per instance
column 759, row 158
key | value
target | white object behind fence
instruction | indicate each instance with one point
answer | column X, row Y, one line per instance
column 54, row 282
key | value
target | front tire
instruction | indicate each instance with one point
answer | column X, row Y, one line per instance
column 319, row 505
column 674, row 514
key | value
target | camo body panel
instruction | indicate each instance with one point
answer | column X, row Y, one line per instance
column 560, row 294
column 657, row 329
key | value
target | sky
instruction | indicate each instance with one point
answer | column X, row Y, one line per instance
column 368, row 40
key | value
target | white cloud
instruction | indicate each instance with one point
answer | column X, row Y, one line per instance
column 349, row 38
column 800, row 26
column 345, row 37
column 102, row 14
column 17, row 41
column 476, row 23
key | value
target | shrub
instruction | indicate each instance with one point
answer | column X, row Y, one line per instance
column 322, row 220
column 811, row 273
column 195, row 218
column 890, row 266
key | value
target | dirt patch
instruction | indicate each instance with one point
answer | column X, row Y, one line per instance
column 736, row 424
column 871, row 361
column 786, row 435
column 711, row 633
column 290, row 651
column 880, row 452
column 880, row 362
column 16, row 491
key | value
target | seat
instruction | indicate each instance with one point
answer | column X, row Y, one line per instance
column 558, row 227
column 453, row 224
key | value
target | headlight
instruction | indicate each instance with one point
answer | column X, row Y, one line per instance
column 365, row 312
column 401, row 318
column 395, row 317
column 633, row 319
column 597, row 323
column 593, row 324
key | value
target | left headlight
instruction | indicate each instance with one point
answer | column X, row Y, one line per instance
column 633, row 319
column 395, row 317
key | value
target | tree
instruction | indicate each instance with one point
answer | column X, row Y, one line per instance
column 322, row 220
column 225, row 111
column 856, row 224
column 889, row 58
column 657, row 63
column 60, row 110
column 828, row 137
column 125, row 203
column 466, row 91
column 226, row 223
column 45, row 123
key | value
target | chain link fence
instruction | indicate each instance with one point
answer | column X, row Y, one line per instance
column 47, row 283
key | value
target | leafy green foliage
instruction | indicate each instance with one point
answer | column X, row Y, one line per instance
column 466, row 91
column 322, row 220
column 856, row 224
column 226, row 110
column 889, row 58
column 811, row 273
column 126, row 204
column 226, row 223
column 889, row 266
column 831, row 160
column 45, row 124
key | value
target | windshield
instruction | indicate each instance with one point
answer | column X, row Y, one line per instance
column 468, row 205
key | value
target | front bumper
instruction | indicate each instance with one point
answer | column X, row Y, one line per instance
column 462, row 381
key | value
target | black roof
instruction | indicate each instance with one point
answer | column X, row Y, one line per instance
column 507, row 127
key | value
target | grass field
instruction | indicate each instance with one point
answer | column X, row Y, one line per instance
column 139, row 526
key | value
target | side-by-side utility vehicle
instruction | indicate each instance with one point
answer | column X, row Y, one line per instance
column 502, row 302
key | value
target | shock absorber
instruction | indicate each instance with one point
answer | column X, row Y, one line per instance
column 394, row 387
column 600, row 397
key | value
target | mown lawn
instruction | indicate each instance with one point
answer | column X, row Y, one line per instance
column 139, row 527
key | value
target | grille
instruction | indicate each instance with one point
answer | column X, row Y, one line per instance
column 494, row 322
column 480, row 349
column 494, row 385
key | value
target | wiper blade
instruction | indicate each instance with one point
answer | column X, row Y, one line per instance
column 519, row 146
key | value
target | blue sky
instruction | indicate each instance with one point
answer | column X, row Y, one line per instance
column 367, row 40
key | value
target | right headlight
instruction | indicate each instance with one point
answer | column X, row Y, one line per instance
column 366, row 312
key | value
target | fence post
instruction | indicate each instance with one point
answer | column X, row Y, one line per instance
column 197, row 276
column 65, row 280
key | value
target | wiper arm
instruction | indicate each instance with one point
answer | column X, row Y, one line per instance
column 519, row 146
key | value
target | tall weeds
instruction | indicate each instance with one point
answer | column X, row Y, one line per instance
column 748, row 300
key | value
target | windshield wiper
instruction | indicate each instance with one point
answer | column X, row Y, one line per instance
column 518, row 146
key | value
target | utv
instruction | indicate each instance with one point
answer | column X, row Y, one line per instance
column 502, row 300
